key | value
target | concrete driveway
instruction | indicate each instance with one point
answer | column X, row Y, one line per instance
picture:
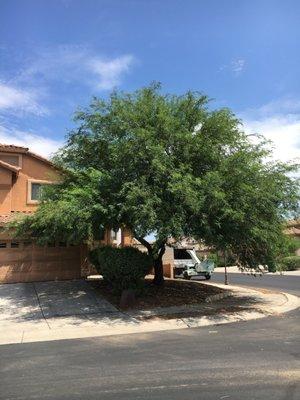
column 53, row 305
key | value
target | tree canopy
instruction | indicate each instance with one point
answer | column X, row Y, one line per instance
column 168, row 165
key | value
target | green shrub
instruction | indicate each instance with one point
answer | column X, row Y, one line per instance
column 291, row 263
column 293, row 244
column 219, row 260
column 124, row 268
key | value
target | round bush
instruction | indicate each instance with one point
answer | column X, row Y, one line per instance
column 291, row 263
column 124, row 268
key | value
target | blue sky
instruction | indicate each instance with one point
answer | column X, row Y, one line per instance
column 55, row 55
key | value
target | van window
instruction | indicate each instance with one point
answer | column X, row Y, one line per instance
column 181, row 254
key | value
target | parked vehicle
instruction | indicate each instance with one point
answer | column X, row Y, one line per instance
column 187, row 264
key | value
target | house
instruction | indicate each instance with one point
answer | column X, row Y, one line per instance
column 293, row 231
column 22, row 175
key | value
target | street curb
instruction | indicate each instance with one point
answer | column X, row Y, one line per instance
column 215, row 297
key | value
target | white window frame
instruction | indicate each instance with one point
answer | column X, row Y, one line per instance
column 29, row 189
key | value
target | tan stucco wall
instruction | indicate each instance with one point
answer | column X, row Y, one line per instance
column 5, row 190
column 14, row 188
column 32, row 169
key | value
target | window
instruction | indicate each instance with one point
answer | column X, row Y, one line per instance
column 36, row 191
column 11, row 159
column 181, row 254
column 14, row 245
column 114, row 234
column 3, row 245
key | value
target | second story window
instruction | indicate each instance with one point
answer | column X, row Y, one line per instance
column 12, row 159
column 36, row 191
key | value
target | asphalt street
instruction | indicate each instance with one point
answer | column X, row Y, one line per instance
column 282, row 283
column 254, row 360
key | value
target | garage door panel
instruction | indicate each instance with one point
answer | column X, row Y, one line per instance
column 39, row 264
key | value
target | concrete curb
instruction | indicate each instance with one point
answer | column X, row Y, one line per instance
column 215, row 297
column 270, row 303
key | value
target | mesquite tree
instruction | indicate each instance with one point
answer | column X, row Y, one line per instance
column 166, row 165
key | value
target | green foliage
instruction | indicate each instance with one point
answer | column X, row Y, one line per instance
column 70, row 211
column 124, row 268
column 291, row 263
column 170, row 165
column 293, row 244
column 219, row 260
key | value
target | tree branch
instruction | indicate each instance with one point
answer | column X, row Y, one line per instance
column 144, row 243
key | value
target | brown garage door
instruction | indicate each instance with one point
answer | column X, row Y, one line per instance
column 28, row 262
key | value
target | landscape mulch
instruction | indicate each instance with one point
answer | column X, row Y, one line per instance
column 172, row 293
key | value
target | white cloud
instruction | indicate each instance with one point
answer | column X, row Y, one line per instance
column 36, row 143
column 77, row 64
column 110, row 71
column 14, row 100
column 278, row 121
column 238, row 65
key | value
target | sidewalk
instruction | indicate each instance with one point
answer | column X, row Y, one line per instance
column 69, row 310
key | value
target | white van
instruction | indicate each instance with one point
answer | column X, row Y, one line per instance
column 187, row 264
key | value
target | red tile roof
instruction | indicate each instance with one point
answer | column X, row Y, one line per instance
column 11, row 148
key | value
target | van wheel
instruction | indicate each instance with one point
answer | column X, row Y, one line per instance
column 207, row 276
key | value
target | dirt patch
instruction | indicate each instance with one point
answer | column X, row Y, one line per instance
column 197, row 313
column 173, row 293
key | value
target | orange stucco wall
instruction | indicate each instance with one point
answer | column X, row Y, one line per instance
column 13, row 188
column 32, row 168
column 5, row 190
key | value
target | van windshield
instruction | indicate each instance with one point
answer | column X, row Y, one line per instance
column 181, row 254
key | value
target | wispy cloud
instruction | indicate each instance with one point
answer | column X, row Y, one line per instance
column 16, row 100
column 77, row 65
column 110, row 71
column 236, row 66
column 279, row 122
column 37, row 143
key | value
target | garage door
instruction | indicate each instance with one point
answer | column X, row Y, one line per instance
column 24, row 261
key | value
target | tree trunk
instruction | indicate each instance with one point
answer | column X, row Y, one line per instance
column 157, row 257
column 158, row 267
column 225, row 265
column 158, row 272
